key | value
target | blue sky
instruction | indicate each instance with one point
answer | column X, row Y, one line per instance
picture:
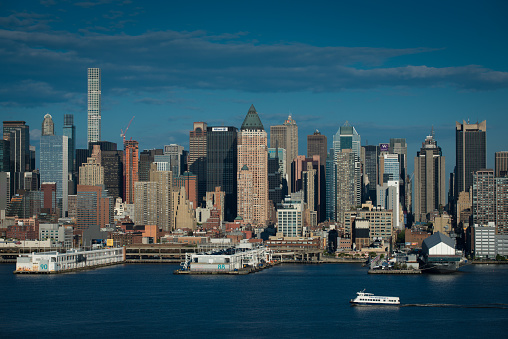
column 392, row 69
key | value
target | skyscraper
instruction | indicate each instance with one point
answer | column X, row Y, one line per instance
column 484, row 202
column 130, row 169
column 48, row 127
column 388, row 168
column 146, row 157
column 69, row 130
column 54, row 167
column 470, row 152
column 252, row 170
column 18, row 135
column 221, row 155
column 165, row 212
column 398, row 146
column 94, row 104
column 197, row 157
column 370, row 169
column 348, row 186
column 317, row 145
column 347, row 138
column 286, row 136
column 177, row 155
column 429, row 179
column 501, row 164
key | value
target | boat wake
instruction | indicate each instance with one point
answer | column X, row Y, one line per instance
column 495, row 306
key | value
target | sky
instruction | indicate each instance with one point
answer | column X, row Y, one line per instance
column 392, row 69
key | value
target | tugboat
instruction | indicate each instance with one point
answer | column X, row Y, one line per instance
column 364, row 298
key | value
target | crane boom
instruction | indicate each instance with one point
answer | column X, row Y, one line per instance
column 122, row 132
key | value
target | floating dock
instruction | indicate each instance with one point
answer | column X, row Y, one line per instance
column 70, row 261
column 418, row 271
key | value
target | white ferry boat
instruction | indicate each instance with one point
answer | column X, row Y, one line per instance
column 364, row 298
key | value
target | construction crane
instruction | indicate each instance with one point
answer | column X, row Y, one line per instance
column 122, row 133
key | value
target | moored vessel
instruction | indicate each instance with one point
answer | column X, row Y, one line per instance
column 364, row 298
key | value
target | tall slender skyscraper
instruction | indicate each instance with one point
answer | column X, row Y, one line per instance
column 94, row 104
column 197, row 157
column 18, row 135
column 348, row 185
column 286, row 136
column 69, row 130
column 221, row 155
column 429, row 179
column 471, row 152
column 253, row 170
column 131, row 161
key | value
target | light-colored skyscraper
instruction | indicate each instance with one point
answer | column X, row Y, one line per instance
column 348, row 187
column 388, row 199
column 286, row 136
column 54, row 166
column 429, row 179
column 164, row 181
column 252, row 170
column 347, row 138
column 94, row 104
column 388, row 168
column 48, row 127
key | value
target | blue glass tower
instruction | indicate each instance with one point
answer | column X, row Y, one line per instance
column 54, row 166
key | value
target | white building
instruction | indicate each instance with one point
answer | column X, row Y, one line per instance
column 290, row 217
column 485, row 240
column 388, row 198
column 55, row 232
column 94, row 104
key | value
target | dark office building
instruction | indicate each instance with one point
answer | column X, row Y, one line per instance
column 18, row 133
column 370, row 168
column 275, row 187
column 69, row 130
column 146, row 157
column 221, row 154
column 82, row 155
column 471, row 153
column 112, row 161
column 5, row 156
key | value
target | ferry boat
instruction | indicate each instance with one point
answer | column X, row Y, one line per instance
column 364, row 298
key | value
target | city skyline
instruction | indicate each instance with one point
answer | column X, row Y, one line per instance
column 388, row 80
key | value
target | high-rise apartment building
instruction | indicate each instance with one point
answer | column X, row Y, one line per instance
column 48, row 126
column 221, row 155
column 165, row 212
column 348, row 183
column 197, row 158
column 470, row 152
column 388, row 199
column 286, row 136
column 54, row 167
column 501, row 164
column 94, row 104
column 131, row 150
column 145, row 203
column 252, row 178
column 501, row 205
column 429, row 180
column 484, row 190
column 317, row 145
column 331, row 183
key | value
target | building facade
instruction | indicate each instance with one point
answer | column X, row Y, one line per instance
column 131, row 162
column 54, row 167
column 252, row 168
column 94, row 105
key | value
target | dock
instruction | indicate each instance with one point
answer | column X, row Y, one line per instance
column 241, row 271
column 416, row 271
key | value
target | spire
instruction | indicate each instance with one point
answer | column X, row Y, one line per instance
column 252, row 120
